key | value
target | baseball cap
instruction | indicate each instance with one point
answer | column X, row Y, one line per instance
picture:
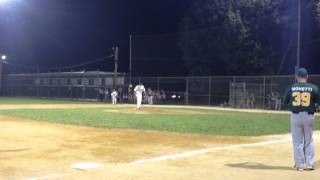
column 302, row 72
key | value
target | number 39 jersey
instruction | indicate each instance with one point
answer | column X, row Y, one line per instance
column 302, row 97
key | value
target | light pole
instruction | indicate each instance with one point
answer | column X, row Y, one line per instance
column 298, row 37
column 130, row 59
column 2, row 59
column 3, row 56
column 116, row 61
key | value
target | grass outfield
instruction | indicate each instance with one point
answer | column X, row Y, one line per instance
column 196, row 121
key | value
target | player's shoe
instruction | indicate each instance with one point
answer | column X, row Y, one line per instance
column 298, row 168
column 309, row 168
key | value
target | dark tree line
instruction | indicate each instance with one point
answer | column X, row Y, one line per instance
column 239, row 37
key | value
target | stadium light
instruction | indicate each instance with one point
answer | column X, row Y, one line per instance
column 3, row 57
column 3, row 1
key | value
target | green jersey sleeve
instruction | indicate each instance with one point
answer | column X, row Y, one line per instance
column 316, row 96
column 287, row 96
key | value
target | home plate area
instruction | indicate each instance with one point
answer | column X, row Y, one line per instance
column 266, row 159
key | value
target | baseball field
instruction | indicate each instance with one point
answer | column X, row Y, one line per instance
column 42, row 139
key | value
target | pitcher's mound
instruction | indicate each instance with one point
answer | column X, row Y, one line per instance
column 156, row 111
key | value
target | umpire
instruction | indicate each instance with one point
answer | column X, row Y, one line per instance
column 302, row 97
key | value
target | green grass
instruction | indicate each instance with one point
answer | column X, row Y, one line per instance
column 214, row 122
column 13, row 100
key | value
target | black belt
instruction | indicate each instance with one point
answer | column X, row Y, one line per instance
column 297, row 112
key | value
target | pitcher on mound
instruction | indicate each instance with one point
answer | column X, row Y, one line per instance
column 139, row 90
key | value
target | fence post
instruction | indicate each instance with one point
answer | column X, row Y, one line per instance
column 271, row 84
column 230, row 95
column 187, row 91
column 48, row 85
column 70, row 85
column 59, row 85
column 99, row 83
column 83, row 84
column 209, row 90
column 39, row 83
column 264, row 92
column 1, row 76
column 158, row 83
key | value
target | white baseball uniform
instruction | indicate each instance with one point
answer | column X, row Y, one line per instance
column 114, row 96
column 139, row 90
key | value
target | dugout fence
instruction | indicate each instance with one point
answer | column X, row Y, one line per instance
column 65, row 85
column 263, row 92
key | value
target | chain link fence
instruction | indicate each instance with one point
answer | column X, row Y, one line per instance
column 264, row 92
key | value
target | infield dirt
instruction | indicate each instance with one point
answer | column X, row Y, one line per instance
column 39, row 150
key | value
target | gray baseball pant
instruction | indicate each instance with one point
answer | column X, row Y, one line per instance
column 302, row 130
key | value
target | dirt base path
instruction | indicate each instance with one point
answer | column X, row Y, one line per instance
column 38, row 150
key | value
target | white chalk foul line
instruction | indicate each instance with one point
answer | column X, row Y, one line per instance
column 214, row 149
column 50, row 176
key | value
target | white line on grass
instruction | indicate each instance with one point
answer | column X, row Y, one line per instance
column 214, row 149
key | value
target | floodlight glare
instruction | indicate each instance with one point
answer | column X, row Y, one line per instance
column 3, row 57
column 3, row 1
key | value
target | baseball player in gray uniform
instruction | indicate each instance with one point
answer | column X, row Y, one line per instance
column 302, row 97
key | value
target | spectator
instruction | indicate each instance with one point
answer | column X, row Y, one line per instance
column 252, row 100
column 273, row 99
column 100, row 94
column 130, row 93
column 163, row 96
column 106, row 94
column 278, row 101
column 120, row 94
column 156, row 96
column 269, row 100
column 247, row 99
column 150, row 96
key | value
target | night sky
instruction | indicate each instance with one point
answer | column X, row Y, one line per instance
column 54, row 33
column 57, row 33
